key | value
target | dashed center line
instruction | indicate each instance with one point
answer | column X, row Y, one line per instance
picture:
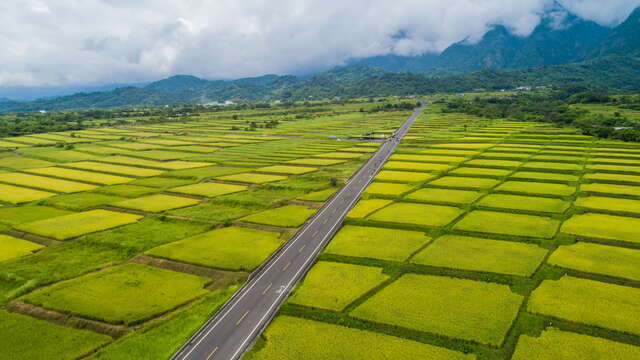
column 315, row 233
column 267, row 288
column 212, row 353
column 286, row 266
column 242, row 318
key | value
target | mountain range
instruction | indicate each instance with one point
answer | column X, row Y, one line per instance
column 560, row 38
column 562, row 49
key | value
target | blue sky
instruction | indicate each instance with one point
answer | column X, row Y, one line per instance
column 93, row 42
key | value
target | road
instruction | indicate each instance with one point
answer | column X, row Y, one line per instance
column 232, row 330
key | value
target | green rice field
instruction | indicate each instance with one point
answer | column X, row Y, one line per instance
column 70, row 226
column 489, row 254
column 333, row 286
column 481, row 238
column 126, row 294
column 231, row 248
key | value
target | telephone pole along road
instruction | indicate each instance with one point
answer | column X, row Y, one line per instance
column 229, row 333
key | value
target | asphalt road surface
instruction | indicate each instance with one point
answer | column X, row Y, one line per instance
column 232, row 330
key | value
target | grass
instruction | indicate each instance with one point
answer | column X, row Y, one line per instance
column 604, row 227
column 476, row 254
column 362, row 149
column 162, row 182
column 231, row 248
column 537, row 188
column 291, row 170
column 146, row 234
column 90, row 253
column 251, row 178
column 462, row 146
column 209, row 189
column 19, row 195
column 471, row 171
column 339, row 155
column 365, row 207
column 318, row 162
column 25, row 338
column 79, row 175
column 165, row 165
column 529, row 203
column 615, row 168
column 417, row 214
column 161, row 155
column 427, row 158
column 22, row 214
column 285, row 216
column 126, row 294
column 333, row 286
column 163, row 340
column 613, row 177
column 449, row 152
column 598, row 259
column 609, row 204
column 505, row 155
column 554, row 344
column 403, row 176
column 45, row 183
column 217, row 212
column 127, row 190
column 465, row 182
column 415, row 166
column 301, row 339
column 508, row 224
column 20, row 163
column 318, row 196
column 11, row 247
column 157, row 203
column 545, row 165
column 70, row 226
column 57, row 155
column 611, row 189
column 377, row 243
column 444, row 196
column 389, row 189
column 531, row 175
column 456, row 308
column 588, row 302
column 494, row 163
column 115, row 169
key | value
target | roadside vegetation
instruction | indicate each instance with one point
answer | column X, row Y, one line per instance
column 107, row 240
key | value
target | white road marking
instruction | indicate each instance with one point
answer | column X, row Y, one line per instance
column 270, row 266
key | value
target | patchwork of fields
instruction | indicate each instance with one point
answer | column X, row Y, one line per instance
column 142, row 232
column 489, row 240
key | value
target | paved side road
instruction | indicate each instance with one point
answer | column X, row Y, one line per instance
column 230, row 332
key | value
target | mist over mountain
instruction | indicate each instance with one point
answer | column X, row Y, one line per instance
column 562, row 49
column 560, row 38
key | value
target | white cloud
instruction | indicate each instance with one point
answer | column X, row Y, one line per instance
column 604, row 12
column 75, row 42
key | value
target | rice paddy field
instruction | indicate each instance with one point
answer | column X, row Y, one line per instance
column 480, row 239
column 124, row 244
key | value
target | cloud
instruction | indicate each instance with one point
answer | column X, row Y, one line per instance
column 608, row 13
column 76, row 42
